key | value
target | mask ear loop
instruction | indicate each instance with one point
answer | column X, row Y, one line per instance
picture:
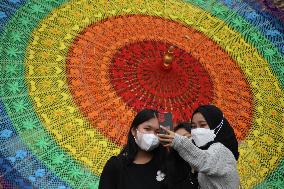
column 220, row 125
column 134, row 136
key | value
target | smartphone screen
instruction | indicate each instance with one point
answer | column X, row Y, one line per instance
column 166, row 120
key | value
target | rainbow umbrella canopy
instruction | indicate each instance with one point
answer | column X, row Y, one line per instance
column 73, row 74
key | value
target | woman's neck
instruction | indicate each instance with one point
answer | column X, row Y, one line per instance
column 142, row 157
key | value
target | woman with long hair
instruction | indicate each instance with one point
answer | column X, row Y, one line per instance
column 141, row 163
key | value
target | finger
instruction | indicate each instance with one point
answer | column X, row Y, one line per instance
column 165, row 136
column 166, row 129
column 165, row 140
column 167, row 145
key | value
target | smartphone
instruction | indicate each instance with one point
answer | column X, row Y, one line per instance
column 166, row 120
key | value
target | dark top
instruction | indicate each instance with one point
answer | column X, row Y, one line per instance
column 116, row 175
column 179, row 172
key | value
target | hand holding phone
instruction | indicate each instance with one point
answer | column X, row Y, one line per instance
column 165, row 120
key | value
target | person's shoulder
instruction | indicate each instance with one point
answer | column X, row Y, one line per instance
column 223, row 151
column 218, row 148
column 217, row 145
column 113, row 160
column 113, row 164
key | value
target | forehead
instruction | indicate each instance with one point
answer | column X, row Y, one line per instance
column 198, row 117
column 154, row 123
column 181, row 131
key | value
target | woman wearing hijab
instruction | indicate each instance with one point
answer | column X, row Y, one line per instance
column 212, row 151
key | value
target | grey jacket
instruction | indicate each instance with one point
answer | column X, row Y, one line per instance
column 217, row 165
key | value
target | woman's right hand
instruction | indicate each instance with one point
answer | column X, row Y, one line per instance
column 166, row 139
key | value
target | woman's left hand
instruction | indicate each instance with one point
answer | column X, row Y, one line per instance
column 166, row 139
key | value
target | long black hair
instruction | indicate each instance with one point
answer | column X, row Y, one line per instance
column 131, row 148
column 214, row 116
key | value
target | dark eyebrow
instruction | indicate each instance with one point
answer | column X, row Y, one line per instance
column 199, row 122
column 202, row 121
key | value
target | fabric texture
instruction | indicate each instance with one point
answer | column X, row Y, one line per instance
column 217, row 166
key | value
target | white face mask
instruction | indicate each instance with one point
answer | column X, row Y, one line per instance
column 202, row 136
column 146, row 141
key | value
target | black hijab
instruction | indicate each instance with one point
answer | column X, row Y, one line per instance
column 226, row 135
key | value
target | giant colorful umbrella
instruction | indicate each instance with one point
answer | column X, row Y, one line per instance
column 74, row 73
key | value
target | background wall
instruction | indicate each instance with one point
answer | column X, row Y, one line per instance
column 74, row 73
